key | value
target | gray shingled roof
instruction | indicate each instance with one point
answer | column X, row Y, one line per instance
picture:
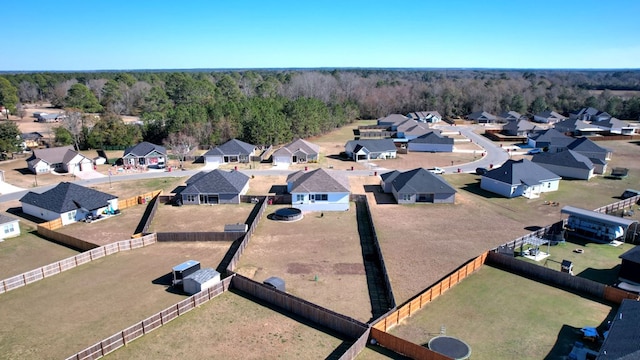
column 584, row 144
column 392, row 119
column 143, row 149
column 298, row 145
column 318, row 180
column 432, row 138
column 513, row 114
column 516, row 172
column 51, row 155
column 216, row 182
column 549, row 135
column 519, row 125
column 373, row 145
column 203, row 275
column 420, row 181
column 623, row 340
column 632, row 255
column 547, row 114
column 68, row 196
column 4, row 219
column 478, row 114
column 568, row 158
column 232, row 147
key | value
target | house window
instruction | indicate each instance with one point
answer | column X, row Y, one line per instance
column 406, row 197
column 321, row 197
column 549, row 185
column 71, row 215
column 300, row 197
column 191, row 198
column 8, row 228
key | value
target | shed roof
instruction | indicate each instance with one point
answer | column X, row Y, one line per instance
column 185, row 265
column 594, row 215
column 203, row 275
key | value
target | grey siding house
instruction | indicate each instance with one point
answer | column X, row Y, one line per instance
column 431, row 142
column 417, row 186
column 215, row 187
column 364, row 150
column 568, row 164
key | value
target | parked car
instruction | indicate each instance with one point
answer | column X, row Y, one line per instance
column 436, row 170
column 481, row 171
column 534, row 151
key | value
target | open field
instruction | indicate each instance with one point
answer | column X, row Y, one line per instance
column 29, row 251
column 505, row 316
column 320, row 259
column 209, row 217
column 232, row 326
column 65, row 313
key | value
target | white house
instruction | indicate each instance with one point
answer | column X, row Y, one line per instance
column 296, row 152
column 370, row 149
column 319, row 190
column 10, row 227
column 568, row 164
column 61, row 159
column 520, row 178
column 68, row 202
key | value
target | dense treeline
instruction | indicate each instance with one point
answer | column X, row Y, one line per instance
column 272, row 107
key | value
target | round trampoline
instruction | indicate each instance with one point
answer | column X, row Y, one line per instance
column 288, row 214
column 451, row 347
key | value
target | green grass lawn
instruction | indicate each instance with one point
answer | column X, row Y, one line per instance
column 598, row 262
column 505, row 316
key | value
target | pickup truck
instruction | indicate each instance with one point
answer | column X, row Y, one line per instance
column 436, row 170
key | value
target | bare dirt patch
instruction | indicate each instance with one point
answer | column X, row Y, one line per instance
column 65, row 313
column 320, row 259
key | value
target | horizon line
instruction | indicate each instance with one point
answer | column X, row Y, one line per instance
column 221, row 69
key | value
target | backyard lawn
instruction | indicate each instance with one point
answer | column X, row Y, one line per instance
column 232, row 326
column 56, row 317
column 505, row 316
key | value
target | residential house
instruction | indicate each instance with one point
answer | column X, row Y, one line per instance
column 567, row 164
column 215, row 187
column 370, row 149
column 548, row 117
column 576, row 127
column 507, row 116
column 586, row 114
column 296, row 152
column 31, row 140
column 392, row 120
column 69, row 202
column 58, row 159
column 520, row 127
column 482, row 117
column 10, row 227
column 233, row 151
column 621, row 340
column 410, row 129
column 431, row 142
column 616, row 126
column 49, row 118
column 425, row 116
column 544, row 138
column 520, row 178
column 417, row 186
column 145, row 154
column 598, row 155
column 319, row 190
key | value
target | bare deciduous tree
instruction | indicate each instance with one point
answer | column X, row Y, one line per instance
column 181, row 145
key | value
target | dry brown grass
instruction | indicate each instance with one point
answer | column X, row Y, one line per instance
column 319, row 258
column 65, row 313
column 189, row 218
column 232, row 327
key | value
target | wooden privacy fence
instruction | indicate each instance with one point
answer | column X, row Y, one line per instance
column 415, row 304
column 29, row 277
column 65, row 239
column 233, row 262
column 359, row 345
column 147, row 217
column 541, row 233
column 556, row 278
column 405, row 347
column 138, row 199
column 151, row 323
column 341, row 324
column 51, row 225
column 619, row 205
column 199, row 236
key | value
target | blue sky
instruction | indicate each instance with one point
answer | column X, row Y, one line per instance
column 141, row 34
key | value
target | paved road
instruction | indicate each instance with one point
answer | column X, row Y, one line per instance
column 494, row 155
